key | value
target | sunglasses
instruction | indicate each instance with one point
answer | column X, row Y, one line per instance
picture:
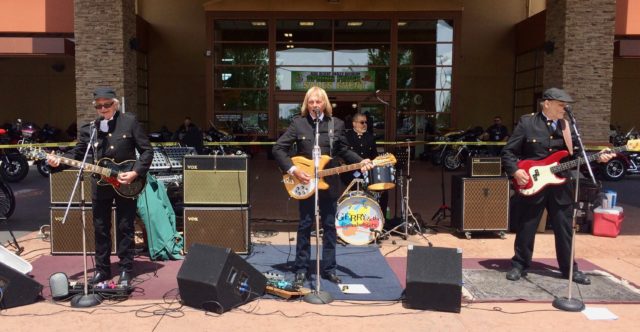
column 362, row 122
column 106, row 105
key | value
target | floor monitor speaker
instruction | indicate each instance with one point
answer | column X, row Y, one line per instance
column 434, row 279
column 17, row 289
column 217, row 279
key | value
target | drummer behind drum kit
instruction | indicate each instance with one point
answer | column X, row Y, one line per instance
column 359, row 219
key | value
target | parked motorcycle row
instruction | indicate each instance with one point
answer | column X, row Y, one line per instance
column 625, row 162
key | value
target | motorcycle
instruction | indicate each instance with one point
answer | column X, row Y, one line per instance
column 217, row 135
column 624, row 162
column 454, row 157
column 14, row 165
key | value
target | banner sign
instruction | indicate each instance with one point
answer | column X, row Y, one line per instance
column 337, row 81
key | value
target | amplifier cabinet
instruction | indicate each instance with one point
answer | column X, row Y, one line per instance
column 480, row 204
column 67, row 238
column 485, row 166
column 216, row 180
column 226, row 227
column 61, row 185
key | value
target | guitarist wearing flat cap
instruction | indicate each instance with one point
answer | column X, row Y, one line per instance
column 538, row 136
column 119, row 135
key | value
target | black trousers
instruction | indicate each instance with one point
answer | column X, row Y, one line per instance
column 125, row 216
column 528, row 212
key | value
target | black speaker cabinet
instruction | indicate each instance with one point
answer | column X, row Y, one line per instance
column 216, row 180
column 216, row 279
column 480, row 204
column 61, row 185
column 67, row 238
column 434, row 279
column 17, row 289
column 226, row 227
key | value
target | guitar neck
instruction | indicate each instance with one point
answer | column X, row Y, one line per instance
column 87, row 166
column 339, row 169
column 580, row 161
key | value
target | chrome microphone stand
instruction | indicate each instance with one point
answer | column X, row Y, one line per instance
column 317, row 296
column 85, row 299
column 569, row 303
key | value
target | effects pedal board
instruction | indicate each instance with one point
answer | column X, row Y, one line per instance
column 108, row 290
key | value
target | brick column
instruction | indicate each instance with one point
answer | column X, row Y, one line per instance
column 581, row 61
column 103, row 56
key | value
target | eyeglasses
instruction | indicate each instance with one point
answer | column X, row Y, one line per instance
column 106, row 105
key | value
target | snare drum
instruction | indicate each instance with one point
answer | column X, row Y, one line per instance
column 381, row 178
column 356, row 217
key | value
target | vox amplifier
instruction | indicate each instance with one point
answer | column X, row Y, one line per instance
column 480, row 204
column 67, row 238
column 485, row 166
column 61, row 185
column 216, row 180
column 226, row 227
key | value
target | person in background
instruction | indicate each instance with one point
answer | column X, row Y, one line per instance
column 188, row 134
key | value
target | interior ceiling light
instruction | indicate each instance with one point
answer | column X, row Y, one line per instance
column 258, row 23
column 354, row 23
column 401, row 24
column 306, row 23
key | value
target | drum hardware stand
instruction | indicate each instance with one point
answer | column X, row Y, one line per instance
column 83, row 300
column 317, row 296
column 19, row 249
column 409, row 221
column 441, row 213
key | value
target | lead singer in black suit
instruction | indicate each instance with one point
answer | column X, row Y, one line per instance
column 302, row 132
column 118, row 137
column 536, row 137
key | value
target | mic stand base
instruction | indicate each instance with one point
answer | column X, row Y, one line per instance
column 318, row 297
column 85, row 300
column 568, row 304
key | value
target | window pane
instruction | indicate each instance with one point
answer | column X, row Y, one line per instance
column 427, row 30
column 361, row 55
column 525, row 79
column 240, row 30
column 362, row 31
column 292, row 31
column 242, row 77
column 375, row 114
column 425, row 54
column 411, row 125
column 424, row 101
column 284, row 76
column 371, row 79
column 417, row 77
column 240, row 100
column 234, row 54
column 314, row 55
column 286, row 112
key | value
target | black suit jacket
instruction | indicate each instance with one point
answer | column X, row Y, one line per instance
column 301, row 131
column 125, row 136
column 533, row 139
column 364, row 145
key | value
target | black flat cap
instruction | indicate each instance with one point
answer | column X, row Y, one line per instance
column 104, row 92
column 557, row 94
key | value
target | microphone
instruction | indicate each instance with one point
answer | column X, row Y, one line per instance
column 377, row 92
column 567, row 108
column 317, row 111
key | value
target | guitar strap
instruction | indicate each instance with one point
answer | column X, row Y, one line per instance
column 566, row 134
column 331, row 135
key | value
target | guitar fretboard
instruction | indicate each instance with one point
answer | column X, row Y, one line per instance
column 89, row 167
column 339, row 169
column 579, row 161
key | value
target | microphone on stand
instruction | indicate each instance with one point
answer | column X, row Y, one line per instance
column 317, row 112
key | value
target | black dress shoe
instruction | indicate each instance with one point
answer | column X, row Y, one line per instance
column 332, row 277
column 99, row 277
column 125, row 279
column 515, row 273
column 580, row 278
column 299, row 279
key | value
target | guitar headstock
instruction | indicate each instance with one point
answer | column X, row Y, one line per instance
column 385, row 159
column 633, row 145
column 34, row 153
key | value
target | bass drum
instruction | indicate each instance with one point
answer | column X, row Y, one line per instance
column 358, row 218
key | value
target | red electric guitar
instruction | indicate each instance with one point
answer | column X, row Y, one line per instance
column 543, row 172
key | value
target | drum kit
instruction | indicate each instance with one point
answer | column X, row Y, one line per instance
column 359, row 218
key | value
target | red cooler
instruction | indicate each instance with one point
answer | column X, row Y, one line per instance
column 607, row 222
